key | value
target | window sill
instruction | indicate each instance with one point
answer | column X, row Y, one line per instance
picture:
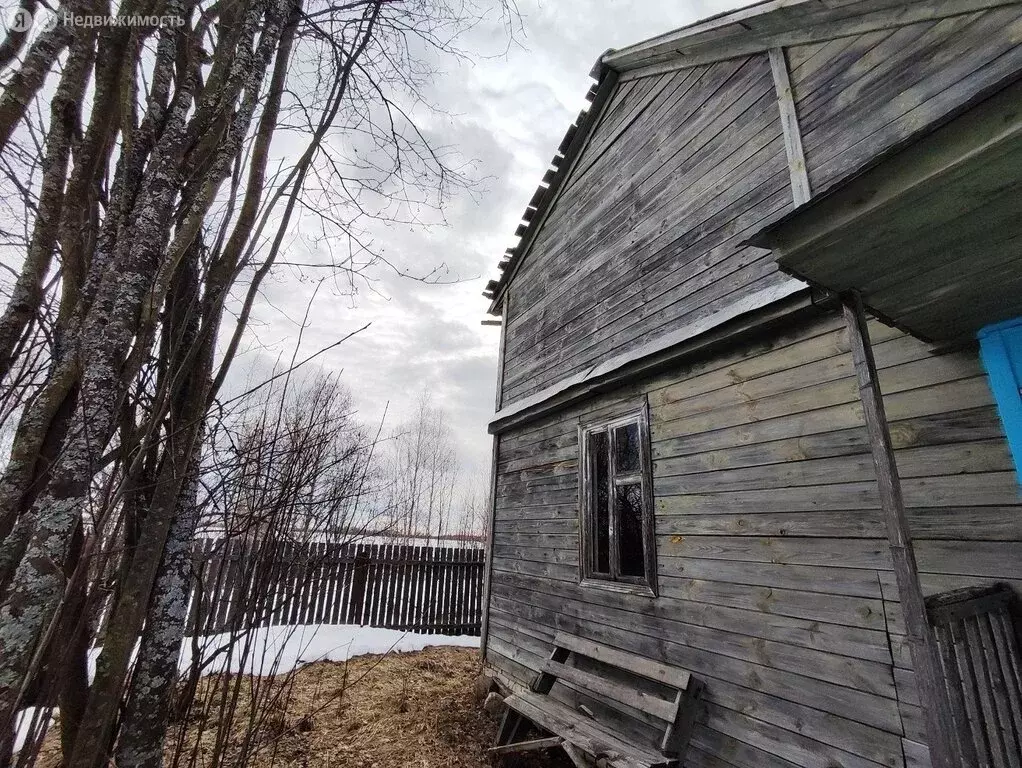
column 620, row 587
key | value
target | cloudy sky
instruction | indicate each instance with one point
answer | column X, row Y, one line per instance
column 509, row 109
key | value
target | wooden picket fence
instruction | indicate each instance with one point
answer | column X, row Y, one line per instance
column 239, row 585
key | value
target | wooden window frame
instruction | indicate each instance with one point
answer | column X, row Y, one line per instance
column 640, row 585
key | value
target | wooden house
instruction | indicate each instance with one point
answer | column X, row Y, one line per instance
column 758, row 422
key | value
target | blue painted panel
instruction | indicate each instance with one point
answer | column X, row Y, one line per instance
column 1001, row 350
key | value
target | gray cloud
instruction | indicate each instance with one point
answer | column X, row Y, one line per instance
column 505, row 113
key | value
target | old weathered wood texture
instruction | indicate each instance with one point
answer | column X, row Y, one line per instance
column 646, row 231
column 421, row 589
column 627, row 682
column 945, row 751
column 776, row 581
column 858, row 96
column 977, row 630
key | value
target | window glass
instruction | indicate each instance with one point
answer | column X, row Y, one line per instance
column 626, row 449
column 616, row 519
column 631, row 554
column 600, row 455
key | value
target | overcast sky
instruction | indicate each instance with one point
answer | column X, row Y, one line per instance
column 508, row 111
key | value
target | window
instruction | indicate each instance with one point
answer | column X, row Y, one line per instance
column 615, row 495
column 1001, row 349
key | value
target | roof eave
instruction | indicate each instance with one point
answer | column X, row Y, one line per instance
column 559, row 169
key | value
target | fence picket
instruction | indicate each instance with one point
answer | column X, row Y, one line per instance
column 413, row 590
column 359, row 579
column 385, row 573
column 445, row 591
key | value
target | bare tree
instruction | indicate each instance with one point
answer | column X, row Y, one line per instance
column 288, row 478
column 178, row 161
column 424, row 472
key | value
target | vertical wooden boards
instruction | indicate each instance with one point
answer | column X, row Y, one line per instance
column 883, row 88
column 982, row 660
column 395, row 586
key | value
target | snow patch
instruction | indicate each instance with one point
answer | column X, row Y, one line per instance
column 275, row 650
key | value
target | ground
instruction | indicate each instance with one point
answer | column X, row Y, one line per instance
column 398, row 710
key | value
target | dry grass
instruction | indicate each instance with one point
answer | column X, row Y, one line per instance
column 402, row 710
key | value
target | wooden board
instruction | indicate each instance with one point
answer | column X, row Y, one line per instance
column 775, row 581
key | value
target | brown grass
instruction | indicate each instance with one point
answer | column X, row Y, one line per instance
column 401, row 710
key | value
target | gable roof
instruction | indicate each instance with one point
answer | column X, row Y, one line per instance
column 753, row 29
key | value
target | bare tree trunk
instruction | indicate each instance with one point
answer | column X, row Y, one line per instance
column 65, row 118
column 113, row 413
column 71, row 656
column 26, row 82
column 11, row 46
column 37, row 586
column 155, row 676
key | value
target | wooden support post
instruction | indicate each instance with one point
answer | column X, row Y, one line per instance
column 926, row 661
column 512, row 726
column 488, row 566
column 800, row 189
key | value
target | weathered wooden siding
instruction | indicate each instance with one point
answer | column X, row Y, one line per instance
column 858, row 96
column 647, row 231
column 774, row 573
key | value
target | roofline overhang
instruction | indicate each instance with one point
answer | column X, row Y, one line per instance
column 753, row 312
column 984, row 123
column 940, row 155
column 773, row 23
column 559, row 169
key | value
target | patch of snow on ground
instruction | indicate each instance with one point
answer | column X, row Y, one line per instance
column 274, row 650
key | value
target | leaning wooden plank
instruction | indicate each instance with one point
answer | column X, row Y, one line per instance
column 545, row 680
column 647, row 668
column 576, row 757
column 589, row 736
column 533, row 745
column 639, row 700
column 679, row 732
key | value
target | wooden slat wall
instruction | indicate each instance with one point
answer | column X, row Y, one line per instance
column 774, row 573
column 420, row 589
column 859, row 96
column 646, row 232
column 683, row 166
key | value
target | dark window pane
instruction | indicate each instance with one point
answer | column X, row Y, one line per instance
column 626, row 449
column 599, row 453
column 629, row 533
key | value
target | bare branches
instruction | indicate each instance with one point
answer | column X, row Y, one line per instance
column 171, row 173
